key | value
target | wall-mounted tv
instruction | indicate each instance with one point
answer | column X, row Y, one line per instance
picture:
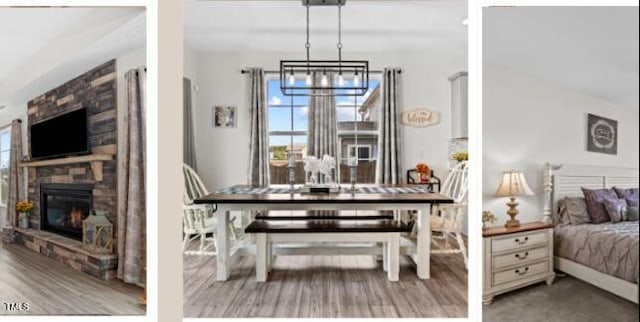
column 60, row 136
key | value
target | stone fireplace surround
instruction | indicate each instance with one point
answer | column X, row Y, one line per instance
column 95, row 90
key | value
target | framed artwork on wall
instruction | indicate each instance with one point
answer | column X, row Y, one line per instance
column 602, row 134
column 224, row 116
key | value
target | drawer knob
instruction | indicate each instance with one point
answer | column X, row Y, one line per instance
column 526, row 254
column 519, row 272
column 523, row 241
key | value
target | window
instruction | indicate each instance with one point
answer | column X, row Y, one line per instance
column 364, row 151
column 357, row 119
column 5, row 153
column 287, row 123
column 358, row 129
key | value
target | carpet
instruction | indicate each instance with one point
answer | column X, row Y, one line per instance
column 567, row 299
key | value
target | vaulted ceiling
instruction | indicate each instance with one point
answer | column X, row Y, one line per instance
column 41, row 47
column 593, row 50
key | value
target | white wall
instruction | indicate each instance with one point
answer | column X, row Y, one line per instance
column 527, row 122
column 223, row 153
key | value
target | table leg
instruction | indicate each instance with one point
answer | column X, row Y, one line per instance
column 223, row 244
column 385, row 256
column 424, row 243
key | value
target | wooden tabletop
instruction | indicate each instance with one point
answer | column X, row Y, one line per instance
column 344, row 197
column 497, row 231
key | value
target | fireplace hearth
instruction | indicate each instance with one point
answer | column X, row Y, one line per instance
column 63, row 207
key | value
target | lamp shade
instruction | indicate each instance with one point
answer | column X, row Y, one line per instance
column 513, row 183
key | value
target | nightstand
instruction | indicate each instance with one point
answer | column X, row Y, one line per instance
column 516, row 257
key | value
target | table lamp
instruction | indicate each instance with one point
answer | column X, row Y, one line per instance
column 513, row 184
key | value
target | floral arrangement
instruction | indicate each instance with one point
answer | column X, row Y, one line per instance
column 422, row 168
column 24, row 206
column 488, row 216
column 460, row 156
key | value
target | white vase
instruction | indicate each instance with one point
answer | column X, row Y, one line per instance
column 23, row 220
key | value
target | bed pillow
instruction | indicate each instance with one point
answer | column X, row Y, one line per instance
column 576, row 211
column 632, row 213
column 616, row 209
column 594, row 198
column 632, row 201
column 626, row 193
column 562, row 215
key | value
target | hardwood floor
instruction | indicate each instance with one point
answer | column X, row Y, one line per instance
column 51, row 288
column 325, row 286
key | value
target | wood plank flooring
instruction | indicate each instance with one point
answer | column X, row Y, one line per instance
column 325, row 287
column 52, row 288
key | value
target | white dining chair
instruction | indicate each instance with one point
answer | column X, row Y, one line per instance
column 446, row 219
column 198, row 222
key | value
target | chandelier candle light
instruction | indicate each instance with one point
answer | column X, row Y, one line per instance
column 358, row 70
column 513, row 184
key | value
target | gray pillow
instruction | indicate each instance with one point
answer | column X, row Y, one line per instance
column 632, row 213
column 562, row 217
column 616, row 209
column 576, row 210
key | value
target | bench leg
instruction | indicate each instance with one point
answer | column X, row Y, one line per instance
column 393, row 258
column 261, row 257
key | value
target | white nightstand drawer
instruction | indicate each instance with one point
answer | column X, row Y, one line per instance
column 520, row 272
column 521, row 256
column 515, row 242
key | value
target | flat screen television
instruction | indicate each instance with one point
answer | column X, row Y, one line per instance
column 60, row 136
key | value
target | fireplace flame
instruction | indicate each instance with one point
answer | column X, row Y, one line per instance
column 76, row 217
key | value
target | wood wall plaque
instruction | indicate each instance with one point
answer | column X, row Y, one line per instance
column 419, row 117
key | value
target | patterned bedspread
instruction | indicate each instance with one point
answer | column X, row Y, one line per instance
column 246, row 190
column 609, row 248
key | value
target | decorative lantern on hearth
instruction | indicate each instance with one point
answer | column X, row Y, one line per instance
column 97, row 233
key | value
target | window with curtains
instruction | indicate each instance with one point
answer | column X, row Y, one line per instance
column 358, row 130
column 5, row 154
column 357, row 126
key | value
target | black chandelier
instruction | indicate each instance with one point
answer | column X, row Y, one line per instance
column 324, row 77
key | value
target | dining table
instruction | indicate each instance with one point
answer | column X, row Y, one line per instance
column 377, row 197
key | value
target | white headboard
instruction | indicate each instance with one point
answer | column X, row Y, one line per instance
column 567, row 180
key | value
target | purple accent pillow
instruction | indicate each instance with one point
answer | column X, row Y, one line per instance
column 626, row 193
column 632, row 201
column 595, row 207
column 616, row 209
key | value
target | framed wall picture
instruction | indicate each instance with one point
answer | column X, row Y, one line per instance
column 602, row 134
column 224, row 116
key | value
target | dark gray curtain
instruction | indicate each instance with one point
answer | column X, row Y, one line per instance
column 322, row 132
column 14, row 192
column 188, row 146
column 389, row 167
column 132, row 229
column 259, row 137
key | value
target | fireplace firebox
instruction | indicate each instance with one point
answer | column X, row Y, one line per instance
column 63, row 207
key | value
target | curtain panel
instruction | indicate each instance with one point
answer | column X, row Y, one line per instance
column 14, row 192
column 131, row 182
column 322, row 135
column 259, row 136
column 389, row 169
column 188, row 129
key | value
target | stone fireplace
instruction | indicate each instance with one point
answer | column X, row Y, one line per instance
column 66, row 189
column 63, row 207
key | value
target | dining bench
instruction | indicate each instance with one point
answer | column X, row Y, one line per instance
column 331, row 227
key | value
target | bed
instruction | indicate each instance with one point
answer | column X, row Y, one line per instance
column 605, row 255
